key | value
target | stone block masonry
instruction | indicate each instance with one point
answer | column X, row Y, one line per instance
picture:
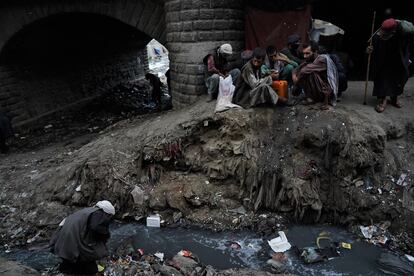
column 194, row 29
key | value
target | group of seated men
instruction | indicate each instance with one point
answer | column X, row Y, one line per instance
column 259, row 82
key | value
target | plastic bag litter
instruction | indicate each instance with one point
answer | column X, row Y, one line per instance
column 225, row 95
column 185, row 253
column 368, row 231
column 314, row 255
column 280, row 244
column 394, row 265
column 409, row 257
column 234, row 245
column 159, row 255
column 101, row 268
column 311, row 255
column 401, row 181
column 346, row 245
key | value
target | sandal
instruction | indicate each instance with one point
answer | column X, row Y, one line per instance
column 380, row 108
column 397, row 104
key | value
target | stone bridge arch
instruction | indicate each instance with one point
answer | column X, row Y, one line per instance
column 188, row 28
column 146, row 16
column 27, row 97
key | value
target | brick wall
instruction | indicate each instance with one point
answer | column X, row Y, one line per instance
column 105, row 74
column 195, row 28
column 11, row 94
column 27, row 93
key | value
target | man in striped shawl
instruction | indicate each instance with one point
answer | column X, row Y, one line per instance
column 253, row 87
column 317, row 76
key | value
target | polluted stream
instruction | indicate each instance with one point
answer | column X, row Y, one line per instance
column 217, row 248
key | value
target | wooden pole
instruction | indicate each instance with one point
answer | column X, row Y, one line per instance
column 369, row 58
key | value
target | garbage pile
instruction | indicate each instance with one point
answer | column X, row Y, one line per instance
column 377, row 234
column 325, row 249
column 329, row 246
column 130, row 264
column 137, row 263
column 133, row 97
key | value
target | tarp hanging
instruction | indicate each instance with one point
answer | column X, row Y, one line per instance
column 264, row 28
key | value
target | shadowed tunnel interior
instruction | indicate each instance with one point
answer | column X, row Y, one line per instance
column 70, row 57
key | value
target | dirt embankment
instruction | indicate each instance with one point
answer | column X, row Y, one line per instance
column 294, row 163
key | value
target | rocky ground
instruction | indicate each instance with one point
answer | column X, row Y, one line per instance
column 349, row 166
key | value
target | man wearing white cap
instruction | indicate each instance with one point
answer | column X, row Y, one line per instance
column 81, row 238
column 218, row 66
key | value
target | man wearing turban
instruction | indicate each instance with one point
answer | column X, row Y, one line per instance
column 218, row 66
column 393, row 51
column 81, row 238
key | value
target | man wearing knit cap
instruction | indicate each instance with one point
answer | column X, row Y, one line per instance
column 292, row 48
column 392, row 52
column 81, row 239
column 218, row 66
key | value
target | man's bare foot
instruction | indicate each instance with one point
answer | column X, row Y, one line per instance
column 282, row 100
column 308, row 101
column 325, row 107
column 395, row 103
column 380, row 107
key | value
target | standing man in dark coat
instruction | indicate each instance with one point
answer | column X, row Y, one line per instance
column 81, row 239
column 6, row 132
column 156, row 88
column 392, row 49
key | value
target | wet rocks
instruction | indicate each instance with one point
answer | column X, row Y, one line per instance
column 9, row 268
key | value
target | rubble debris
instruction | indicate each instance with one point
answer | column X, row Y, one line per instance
column 368, row 231
column 234, row 245
column 401, row 181
column 376, row 234
column 134, row 96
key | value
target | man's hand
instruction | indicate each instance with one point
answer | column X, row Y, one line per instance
column 294, row 77
column 370, row 49
column 274, row 75
column 282, row 58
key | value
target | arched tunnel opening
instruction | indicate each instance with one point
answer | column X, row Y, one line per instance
column 82, row 69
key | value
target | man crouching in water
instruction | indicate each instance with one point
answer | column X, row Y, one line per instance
column 81, row 239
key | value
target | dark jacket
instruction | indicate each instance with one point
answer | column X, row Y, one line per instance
column 220, row 63
column 404, row 47
column 81, row 239
column 6, row 130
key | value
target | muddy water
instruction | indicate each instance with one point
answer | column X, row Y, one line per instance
column 211, row 248
column 214, row 249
